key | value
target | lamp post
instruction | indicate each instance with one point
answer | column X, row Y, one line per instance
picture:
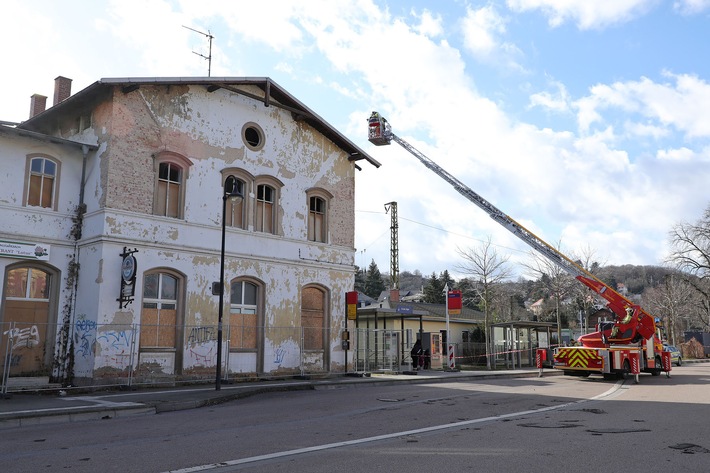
column 231, row 191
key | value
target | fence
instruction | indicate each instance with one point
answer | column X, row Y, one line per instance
column 88, row 353
column 382, row 350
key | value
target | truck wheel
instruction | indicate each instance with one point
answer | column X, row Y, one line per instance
column 625, row 370
column 659, row 367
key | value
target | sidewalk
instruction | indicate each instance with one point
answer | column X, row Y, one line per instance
column 31, row 408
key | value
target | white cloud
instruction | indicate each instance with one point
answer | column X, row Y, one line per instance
column 681, row 154
column 484, row 30
column 682, row 105
column 691, row 7
column 429, row 24
column 556, row 101
column 586, row 15
column 481, row 29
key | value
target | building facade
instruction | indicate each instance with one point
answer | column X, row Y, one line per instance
column 135, row 216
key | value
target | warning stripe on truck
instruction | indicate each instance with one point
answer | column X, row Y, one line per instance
column 580, row 358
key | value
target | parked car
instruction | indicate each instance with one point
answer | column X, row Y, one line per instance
column 675, row 354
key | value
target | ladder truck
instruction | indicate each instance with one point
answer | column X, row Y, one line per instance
column 629, row 345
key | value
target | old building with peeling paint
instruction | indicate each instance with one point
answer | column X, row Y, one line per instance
column 121, row 187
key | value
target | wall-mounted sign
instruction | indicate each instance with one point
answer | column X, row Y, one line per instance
column 24, row 250
column 351, row 305
column 129, row 266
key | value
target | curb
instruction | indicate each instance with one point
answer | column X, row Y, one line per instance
column 77, row 414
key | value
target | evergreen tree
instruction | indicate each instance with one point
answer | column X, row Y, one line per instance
column 374, row 285
column 434, row 290
column 446, row 278
column 360, row 277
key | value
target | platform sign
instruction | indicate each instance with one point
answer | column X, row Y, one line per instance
column 454, row 302
column 351, row 305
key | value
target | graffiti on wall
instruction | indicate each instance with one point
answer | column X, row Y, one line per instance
column 27, row 337
column 84, row 337
column 200, row 345
column 279, row 355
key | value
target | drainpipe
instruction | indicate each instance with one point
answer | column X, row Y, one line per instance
column 85, row 152
column 81, row 209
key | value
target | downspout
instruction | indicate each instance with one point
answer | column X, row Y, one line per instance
column 85, row 152
column 79, row 224
column 76, row 234
column 80, row 211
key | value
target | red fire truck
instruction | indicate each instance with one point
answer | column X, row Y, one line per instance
column 629, row 345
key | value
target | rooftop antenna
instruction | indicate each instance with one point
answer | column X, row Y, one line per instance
column 209, row 37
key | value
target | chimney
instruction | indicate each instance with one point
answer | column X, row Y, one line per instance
column 38, row 103
column 394, row 295
column 62, row 89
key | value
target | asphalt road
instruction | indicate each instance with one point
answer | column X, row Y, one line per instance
column 509, row 425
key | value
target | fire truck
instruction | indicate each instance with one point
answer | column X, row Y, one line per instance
column 628, row 345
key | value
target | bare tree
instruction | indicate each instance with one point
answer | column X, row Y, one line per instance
column 691, row 255
column 584, row 297
column 672, row 300
column 691, row 246
column 487, row 269
column 556, row 282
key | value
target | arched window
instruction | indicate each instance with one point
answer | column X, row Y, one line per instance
column 159, row 314
column 236, row 210
column 42, row 182
column 265, row 208
column 243, row 315
column 27, row 283
column 318, row 200
column 171, row 175
column 313, row 318
column 266, row 219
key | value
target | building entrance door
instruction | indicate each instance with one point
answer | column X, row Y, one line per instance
column 26, row 332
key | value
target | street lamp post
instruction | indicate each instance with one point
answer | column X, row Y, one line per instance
column 233, row 192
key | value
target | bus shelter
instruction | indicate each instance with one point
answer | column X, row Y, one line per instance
column 515, row 342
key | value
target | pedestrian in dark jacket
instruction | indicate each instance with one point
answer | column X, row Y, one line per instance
column 417, row 355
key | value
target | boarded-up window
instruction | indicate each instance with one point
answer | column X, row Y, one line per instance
column 243, row 317
column 316, row 219
column 159, row 314
column 42, row 180
column 312, row 318
column 168, row 200
column 265, row 203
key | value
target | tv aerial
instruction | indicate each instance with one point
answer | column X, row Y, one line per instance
column 209, row 37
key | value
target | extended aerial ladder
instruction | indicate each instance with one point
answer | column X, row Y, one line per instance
column 632, row 323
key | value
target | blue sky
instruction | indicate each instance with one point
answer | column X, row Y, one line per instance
column 585, row 121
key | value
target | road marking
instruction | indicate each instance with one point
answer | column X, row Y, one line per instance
column 346, row 443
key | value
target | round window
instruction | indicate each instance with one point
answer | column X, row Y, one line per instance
column 253, row 136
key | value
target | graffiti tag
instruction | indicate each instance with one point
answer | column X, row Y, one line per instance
column 23, row 337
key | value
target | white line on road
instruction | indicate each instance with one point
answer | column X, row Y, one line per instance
column 347, row 443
